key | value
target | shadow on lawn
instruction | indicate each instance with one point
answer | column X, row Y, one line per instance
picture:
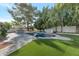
column 71, row 43
column 49, row 43
column 74, row 42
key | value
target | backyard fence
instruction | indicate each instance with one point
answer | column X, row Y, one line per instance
column 64, row 29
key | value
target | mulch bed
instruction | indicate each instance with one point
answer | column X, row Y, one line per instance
column 3, row 45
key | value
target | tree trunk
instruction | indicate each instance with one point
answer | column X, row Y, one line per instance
column 43, row 30
column 61, row 28
column 27, row 26
column 32, row 28
column 62, row 25
column 56, row 28
column 77, row 29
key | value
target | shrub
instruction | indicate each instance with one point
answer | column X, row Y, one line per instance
column 3, row 33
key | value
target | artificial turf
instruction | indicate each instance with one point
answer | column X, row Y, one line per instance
column 49, row 48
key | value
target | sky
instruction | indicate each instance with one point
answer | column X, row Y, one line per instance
column 5, row 16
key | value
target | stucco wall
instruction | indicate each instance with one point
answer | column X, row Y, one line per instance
column 65, row 29
column 69, row 29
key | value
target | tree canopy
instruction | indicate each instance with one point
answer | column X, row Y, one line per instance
column 62, row 14
column 23, row 13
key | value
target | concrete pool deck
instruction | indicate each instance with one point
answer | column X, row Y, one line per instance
column 56, row 37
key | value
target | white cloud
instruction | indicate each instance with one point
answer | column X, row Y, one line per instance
column 5, row 20
column 6, row 5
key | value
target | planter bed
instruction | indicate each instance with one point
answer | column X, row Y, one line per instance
column 3, row 45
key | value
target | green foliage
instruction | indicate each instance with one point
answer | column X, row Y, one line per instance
column 23, row 13
column 65, row 15
column 62, row 14
column 3, row 32
column 68, row 14
column 43, row 19
column 7, row 25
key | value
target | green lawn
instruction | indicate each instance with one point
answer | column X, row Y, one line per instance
column 50, row 48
